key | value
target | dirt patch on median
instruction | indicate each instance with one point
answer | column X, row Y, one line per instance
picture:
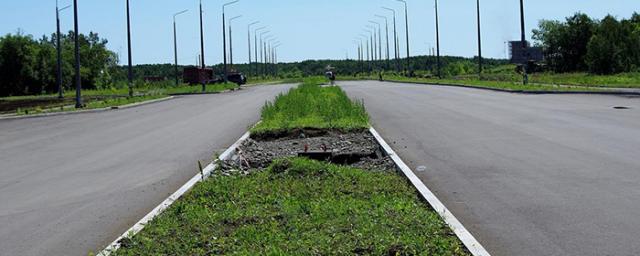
column 356, row 149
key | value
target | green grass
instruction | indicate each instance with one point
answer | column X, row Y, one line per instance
column 504, row 77
column 312, row 106
column 473, row 81
column 98, row 104
column 298, row 207
column 36, row 104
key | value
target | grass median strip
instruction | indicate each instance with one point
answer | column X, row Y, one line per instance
column 312, row 106
column 298, row 206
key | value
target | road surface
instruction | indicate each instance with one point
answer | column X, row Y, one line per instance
column 72, row 184
column 526, row 174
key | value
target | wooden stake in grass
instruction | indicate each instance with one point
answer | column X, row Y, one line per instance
column 201, row 170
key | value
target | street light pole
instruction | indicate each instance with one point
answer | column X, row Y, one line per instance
column 175, row 45
column 406, row 17
column 224, row 39
column 255, row 45
column 479, row 42
column 130, row 68
column 525, row 76
column 263, row 49
column 395, row 38
column 77, row 53
column 386, row 22
column 374, row 43
column 249, row 43
column 59, row 50
column 202, row 64
column 379, row 38
column 438, row 41
column 231, row 40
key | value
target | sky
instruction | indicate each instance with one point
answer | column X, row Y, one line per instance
column 307, row 29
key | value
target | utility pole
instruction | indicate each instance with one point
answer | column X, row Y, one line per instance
column 77, row 53
column 175, row 46
column 249, row 43
column 438, row 41
column 525, row 76
column 479, row 43
column 406, row 17
column 130, row 68
column 59, row 50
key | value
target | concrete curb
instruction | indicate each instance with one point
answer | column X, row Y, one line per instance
column 172, row 198
column 88, row 110
column 615, row 93
column 463, row 234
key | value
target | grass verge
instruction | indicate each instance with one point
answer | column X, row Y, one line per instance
column 95, row 99
column 312, row 106
column 298, row 207
column 490, row 84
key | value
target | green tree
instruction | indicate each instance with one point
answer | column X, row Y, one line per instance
column 565, row 43
column 17, row 64
column 614, row 47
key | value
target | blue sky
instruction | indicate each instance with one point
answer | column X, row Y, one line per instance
column 308, row 29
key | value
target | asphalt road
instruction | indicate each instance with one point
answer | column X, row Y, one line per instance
column 526, row 174
column 72, row 184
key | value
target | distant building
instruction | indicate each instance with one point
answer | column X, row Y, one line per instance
column 520, row 54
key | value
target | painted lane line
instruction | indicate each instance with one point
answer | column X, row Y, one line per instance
column 463, row 234
column 227, row 154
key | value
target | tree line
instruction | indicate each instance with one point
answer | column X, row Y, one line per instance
column 28, row 66
column 581, row 43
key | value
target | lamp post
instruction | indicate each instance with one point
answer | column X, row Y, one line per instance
column 525, row 76
column 379, row 38
column 395, row 38
column 386, row 27
column 374, row 42
column 59, row 50
column 275, row 58
column 438, row 41
column 202, row 63
column 256, row 45
column 249, row 42
column 77, row 53
column 479, row 42
column 263, row 50
column 406, row 17
column 231, row 40
column 130, row 66
column 175, row 45
column 224, row 38
column 268, row 55
column 370, row 49
column 359, row 50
